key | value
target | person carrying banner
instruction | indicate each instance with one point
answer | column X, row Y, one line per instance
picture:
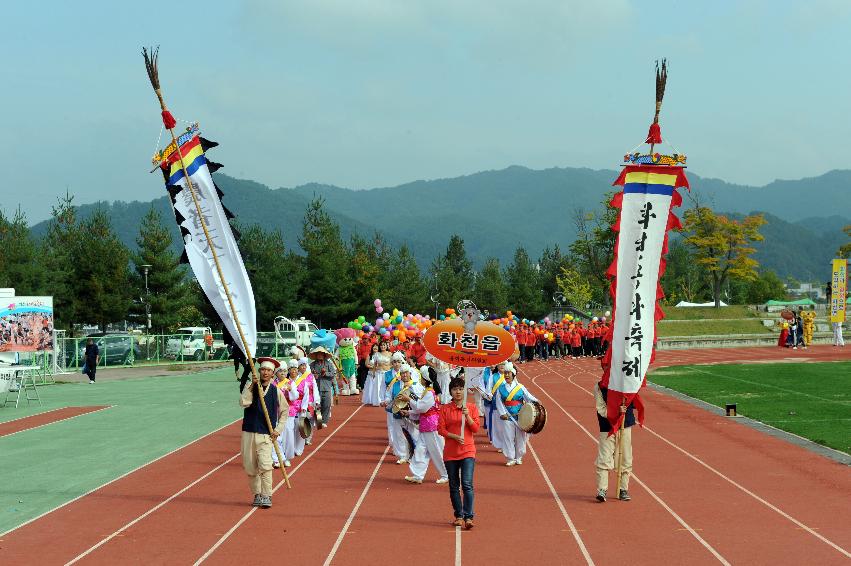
column 607, row 453
column 257, row 439
column 509, row 398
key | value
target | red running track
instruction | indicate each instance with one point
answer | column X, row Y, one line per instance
column 46, row 418
column 707, row 490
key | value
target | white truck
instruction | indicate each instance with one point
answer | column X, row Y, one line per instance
column 288, row 332
column 191, row 343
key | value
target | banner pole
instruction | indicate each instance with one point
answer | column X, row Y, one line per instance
column 242, row 337
column 619, row 443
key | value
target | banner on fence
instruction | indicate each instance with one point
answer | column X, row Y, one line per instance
column 26, row 324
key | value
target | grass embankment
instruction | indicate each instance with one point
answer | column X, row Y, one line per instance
column 812, row 400
column 701, row 313
column 703, row 321
column 710, row 327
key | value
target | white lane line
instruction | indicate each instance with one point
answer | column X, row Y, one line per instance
column 52, row 422
column 564, row 513
column 457, row 546
column 721, row 475
column 277, row 487
column 354, row 512
column 658, row 499
column 149, row 511
column 122, row 476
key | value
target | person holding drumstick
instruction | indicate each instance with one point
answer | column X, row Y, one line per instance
column 509, row 399
column 459, row 455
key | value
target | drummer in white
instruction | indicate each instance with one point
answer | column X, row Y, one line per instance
column 509, row 400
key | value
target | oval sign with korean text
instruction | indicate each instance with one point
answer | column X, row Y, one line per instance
column 456, row 343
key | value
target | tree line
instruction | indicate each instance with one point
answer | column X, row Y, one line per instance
column 96, row 280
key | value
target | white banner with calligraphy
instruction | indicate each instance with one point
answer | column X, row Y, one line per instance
column 649, row 193
column 198, row 251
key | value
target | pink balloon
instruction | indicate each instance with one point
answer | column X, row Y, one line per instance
column 377, row 303
column 379, row 309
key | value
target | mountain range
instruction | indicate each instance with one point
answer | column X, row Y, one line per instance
column 495, row 211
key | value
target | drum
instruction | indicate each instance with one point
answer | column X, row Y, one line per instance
column 305, row 427
column 787, row 314
column 532, row 417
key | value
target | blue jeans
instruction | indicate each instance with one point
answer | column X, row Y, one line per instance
column 461, row 481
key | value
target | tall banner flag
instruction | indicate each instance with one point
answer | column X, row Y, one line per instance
column 838, row 290
column 649, row 194
column 210, row 246
column 199, row 252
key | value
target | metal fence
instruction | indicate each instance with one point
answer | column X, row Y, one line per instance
column 118, row 350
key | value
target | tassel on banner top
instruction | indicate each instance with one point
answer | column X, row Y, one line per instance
column 654, row 136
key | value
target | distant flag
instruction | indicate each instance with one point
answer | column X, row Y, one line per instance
column 649, row 194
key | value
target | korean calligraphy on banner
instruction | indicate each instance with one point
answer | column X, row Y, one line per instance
column 838, row 290
column 487, row 346
column 649, row 193
column 198, row 251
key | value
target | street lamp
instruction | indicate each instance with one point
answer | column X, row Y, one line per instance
column 145, row 268
column 433, row 298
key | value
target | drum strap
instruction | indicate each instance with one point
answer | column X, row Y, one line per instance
column 513, row 393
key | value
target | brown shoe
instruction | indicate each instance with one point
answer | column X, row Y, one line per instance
column 468, row 524
column 459, row 522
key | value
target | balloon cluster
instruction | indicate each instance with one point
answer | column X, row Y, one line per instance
column 398, row 324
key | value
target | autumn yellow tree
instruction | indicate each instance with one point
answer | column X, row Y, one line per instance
column 723, row 245
column 575, row 288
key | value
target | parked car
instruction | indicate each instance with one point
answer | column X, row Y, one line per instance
column 191, row 342
column 116, row 349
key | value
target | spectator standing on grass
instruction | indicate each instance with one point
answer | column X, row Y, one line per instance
column 459, row 457
column 92, row 356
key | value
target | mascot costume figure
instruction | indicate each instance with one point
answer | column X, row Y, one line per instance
column 348, row 356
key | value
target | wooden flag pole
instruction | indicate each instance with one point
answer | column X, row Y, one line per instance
column 464, row 404
column 151, row 63
column 619, row 443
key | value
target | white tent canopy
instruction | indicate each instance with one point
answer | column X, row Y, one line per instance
column 687, row 304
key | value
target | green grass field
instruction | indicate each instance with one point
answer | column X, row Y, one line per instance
column 149, row 417
column 812, row 400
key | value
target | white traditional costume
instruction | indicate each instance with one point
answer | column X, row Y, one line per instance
column 424, row 411
column 509, row 398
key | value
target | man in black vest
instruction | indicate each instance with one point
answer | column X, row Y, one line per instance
column 257, row 439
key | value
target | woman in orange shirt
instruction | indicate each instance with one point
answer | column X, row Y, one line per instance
column 459, row 457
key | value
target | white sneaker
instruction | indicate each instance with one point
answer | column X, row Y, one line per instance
column 442, row 480
column 412, row 479
column 287, row 463
column 519, row 461
column 511, row 463
column 91, row 381
column 402, row 461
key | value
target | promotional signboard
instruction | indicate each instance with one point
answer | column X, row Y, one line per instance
column 26, row 324
column 480, row 344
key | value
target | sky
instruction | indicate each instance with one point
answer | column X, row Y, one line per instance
column 373, row 93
